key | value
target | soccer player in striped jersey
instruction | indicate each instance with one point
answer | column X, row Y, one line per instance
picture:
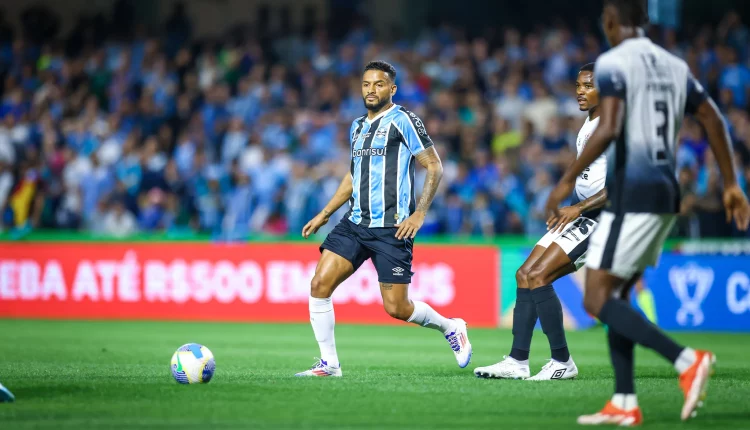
column 383, row 219
column 559, row 252
column 645, row 92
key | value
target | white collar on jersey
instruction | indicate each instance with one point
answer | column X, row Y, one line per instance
column 381, row 114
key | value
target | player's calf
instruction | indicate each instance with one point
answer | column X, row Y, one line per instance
column 398, row 305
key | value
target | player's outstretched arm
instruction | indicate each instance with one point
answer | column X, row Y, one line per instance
column 609, row 128
column 342, row 195
column 430, row 160
column 735, row 202
column 718, row 139
column 570, row 213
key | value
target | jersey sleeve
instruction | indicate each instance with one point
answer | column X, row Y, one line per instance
column 609, row 78
column 413, row 131
column 696, row 95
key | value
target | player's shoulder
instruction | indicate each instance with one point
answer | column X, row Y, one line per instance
column 400, row 113
column 357, row 123
column 358, row 120
column 404, row 116
column 615, row 57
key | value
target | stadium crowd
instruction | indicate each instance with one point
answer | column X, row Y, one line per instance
column 156, row 131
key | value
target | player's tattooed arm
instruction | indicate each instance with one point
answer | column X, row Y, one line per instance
column 430, row 160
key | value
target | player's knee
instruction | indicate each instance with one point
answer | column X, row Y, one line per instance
column 397, row 309
column 537, row 277
column 521, row 276
column 319, row 288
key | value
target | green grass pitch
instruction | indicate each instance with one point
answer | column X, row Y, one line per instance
column 115, row 375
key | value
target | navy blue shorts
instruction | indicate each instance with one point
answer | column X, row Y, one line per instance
column 390, row 256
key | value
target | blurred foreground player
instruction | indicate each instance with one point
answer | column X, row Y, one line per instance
column 561, row 251
column 382, row 221
column 5, row 394
column 645, row 92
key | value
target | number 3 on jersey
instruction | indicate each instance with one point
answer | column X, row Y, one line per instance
column 660, row 153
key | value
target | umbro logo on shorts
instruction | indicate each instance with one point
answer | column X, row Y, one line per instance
column 397, row 271
column 558, row 374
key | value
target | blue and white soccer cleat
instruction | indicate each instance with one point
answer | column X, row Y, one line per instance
column 321, row 368
column 5, row 395
column 459, row 342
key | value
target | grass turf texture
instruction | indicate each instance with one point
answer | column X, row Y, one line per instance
column 116, row 375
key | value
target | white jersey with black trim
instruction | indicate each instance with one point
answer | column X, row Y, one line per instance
column 657, row 89
column 591, row 181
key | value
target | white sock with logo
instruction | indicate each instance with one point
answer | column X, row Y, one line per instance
column 626, row 402
column 686, row 359
column 425, row 316
column 323, row 321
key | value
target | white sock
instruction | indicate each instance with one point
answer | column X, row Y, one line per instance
column 686, row 359
column 425, row 316
column 323, row 321
column 626, row 402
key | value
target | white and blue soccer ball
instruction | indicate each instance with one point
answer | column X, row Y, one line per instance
column 193, row 364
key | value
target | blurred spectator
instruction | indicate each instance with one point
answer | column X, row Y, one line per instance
column 118, row 221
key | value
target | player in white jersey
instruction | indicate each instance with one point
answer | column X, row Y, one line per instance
column 561, row 251
column 645, row 92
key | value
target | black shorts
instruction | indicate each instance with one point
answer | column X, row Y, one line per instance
column 390, row 256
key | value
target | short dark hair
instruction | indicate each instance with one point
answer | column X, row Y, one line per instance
column 587, row 68
column 632, row 12
column 383, row 67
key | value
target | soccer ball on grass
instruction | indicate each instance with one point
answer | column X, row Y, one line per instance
column 193, row 364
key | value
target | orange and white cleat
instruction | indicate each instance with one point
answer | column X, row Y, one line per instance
column 694, row 382
column 611, row 414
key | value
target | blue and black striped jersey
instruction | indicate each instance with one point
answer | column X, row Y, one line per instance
column 383, row 151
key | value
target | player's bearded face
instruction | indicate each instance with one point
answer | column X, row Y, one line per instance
column 377, row 89
column 586, row 93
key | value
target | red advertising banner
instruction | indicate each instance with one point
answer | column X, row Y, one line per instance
column 228, row 282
